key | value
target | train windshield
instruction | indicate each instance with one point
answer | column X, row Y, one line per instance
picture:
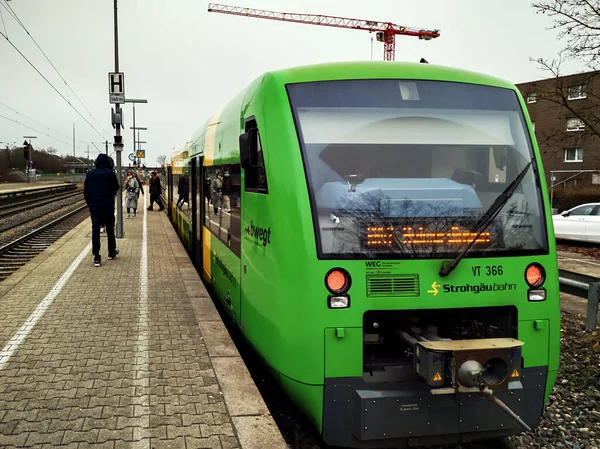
column 400, row 168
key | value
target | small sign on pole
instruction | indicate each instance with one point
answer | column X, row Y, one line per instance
column 141, row 154
column 116, row 87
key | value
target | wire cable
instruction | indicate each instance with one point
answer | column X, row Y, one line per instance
column 51, row 85
column 16, row 17
column 3, row 23
column 35, row 121
column 33, row 129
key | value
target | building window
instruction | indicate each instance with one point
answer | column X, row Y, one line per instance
column 574, row 155
column 577, row 92
column 531, row 97
column 575, row 124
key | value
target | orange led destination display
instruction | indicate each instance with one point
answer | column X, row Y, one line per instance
column 383, row 235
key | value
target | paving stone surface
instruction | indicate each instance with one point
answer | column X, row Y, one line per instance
column 112, row 361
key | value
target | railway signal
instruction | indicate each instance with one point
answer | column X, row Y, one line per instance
column 26, row 150
column 386, row 32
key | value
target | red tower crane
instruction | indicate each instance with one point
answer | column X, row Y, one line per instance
column 385, row 31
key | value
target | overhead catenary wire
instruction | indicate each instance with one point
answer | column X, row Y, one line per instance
column 35, row 121
column 51, row 85
column 16, row 17
column 33, row 129
column 3, row 23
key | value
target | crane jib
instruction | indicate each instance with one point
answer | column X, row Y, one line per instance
column 386, row 31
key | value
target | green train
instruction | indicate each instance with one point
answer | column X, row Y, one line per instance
column 381, row 234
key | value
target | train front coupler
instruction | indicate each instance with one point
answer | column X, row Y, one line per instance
column 478, row 366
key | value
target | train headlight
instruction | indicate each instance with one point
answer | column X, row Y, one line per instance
column 535, row 275
column 338, row 281
column 338, row 302
column 537, row 295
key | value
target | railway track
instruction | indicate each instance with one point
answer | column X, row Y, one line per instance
column 11, row 209
column 20, row 251
column 27, row 219
column 23, row 196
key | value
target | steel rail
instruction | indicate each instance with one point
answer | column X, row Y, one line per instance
column 18, row 194
column 41, row 229
column 11, row 209
column 12, row 226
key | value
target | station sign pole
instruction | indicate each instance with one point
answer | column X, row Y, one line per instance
column 116, row 89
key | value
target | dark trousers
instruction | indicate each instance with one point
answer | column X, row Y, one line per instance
column 156, row 197
column 107, row 220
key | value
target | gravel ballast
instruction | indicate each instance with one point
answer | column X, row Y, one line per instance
column 572, row 415
column 44, row 214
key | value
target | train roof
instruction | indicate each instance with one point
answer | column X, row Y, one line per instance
column 383, row 70
column 351, row 71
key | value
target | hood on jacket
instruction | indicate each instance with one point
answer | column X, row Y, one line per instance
column 103, row 161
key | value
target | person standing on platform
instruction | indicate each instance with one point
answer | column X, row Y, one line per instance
column 155, row 191
column 99, row 190
column 132, row 189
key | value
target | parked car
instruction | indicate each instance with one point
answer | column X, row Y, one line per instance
column 582, row 223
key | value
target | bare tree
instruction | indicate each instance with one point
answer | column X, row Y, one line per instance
column 578, row 21
column 161, row 159
column 578, row 25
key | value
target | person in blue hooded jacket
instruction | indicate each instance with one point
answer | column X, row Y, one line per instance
column 99, row 190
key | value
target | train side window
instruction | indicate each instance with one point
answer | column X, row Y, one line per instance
column 209, row 173
column 230, row 217
column 256, row 176
column 222, row 200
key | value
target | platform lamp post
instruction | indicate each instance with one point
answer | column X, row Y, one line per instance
column 134, row 128
column 134, row 101
column 139, row 143
column 30, row 158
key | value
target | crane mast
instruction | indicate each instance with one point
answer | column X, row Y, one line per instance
column 386, row 32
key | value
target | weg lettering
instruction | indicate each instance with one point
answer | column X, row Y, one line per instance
column 259, row 234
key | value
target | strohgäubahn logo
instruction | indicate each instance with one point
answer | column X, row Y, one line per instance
column 471, row 288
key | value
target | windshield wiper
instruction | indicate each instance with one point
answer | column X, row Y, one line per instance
column 487, row 218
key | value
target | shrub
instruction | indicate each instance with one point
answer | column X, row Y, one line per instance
column 565, row 199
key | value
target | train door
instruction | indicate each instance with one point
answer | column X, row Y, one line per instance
column 222, row 237
column 192, row 203
column 169, row 192
column 197, row 193
column 256, row 222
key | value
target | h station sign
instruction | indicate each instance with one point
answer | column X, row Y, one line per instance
column 116, row 87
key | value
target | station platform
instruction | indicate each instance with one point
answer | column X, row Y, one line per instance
column 20, row 186
column 131, row 354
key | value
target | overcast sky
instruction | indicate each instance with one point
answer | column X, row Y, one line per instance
column 187, row 62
